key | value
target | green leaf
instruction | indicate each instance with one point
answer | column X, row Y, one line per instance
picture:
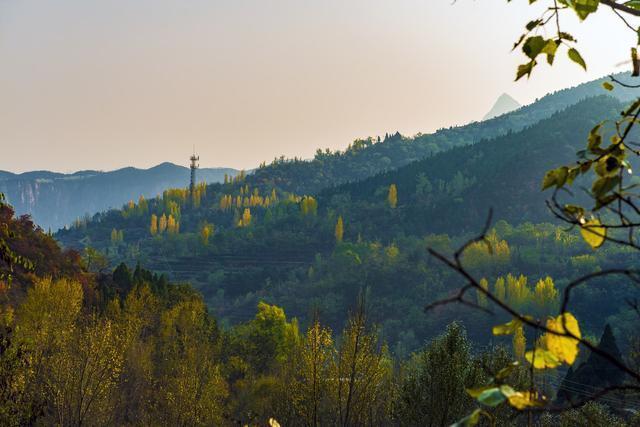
column 608, row 86
column 566, row 36
column 595, row 139
column 584, row 8
column 525, row 70
column 574, row 211
column 533, row 24
column 505, row 372
column 557, row 177
column 491, row 397
column 608, row 166
column 550, row 49
column 519, row 41
column 533, row 46
column 575, row 56
column 602, row 186
column 470, row 420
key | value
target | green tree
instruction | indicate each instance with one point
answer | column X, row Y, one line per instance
column 191, row 389
column 433, row 387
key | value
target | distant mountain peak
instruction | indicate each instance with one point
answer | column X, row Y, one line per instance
column 503, row 105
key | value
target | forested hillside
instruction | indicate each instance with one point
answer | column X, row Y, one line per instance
column 127, row 346
column 367, row 157
column 55, row 200
column 239, row 245
column 453, row 191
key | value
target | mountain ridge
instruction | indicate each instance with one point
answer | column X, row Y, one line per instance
column 55, row 199
column 503, row 105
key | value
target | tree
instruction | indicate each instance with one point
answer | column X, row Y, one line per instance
column 191, row 388
column 245, row 221
column 173, row 226
column 84, row 373
column 116, row 236
column 339, row 231
column 591, row 414
column 361, row 374
column 47, row 322
column 313, row 382
column 607, row 161
column 153, row 228
column 162, row 224
column 392, row 197
column 205, row 232
column 309, row 206
column 433, row 387
column 546, row 296
column 95, row 260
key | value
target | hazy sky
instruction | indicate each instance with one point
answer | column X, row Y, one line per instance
column 88, row 84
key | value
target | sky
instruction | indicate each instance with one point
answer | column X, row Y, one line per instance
column 103, row 84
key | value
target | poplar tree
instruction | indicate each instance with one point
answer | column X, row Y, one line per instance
column 339, row 232
column 205, row 232
column 246, row 218
column 162, row 224
column 482, row 298
column 312, row 388
column 153, row 228
column 519, row 344
column 393, row 196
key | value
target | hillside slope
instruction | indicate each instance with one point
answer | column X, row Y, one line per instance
column 452, row 192
column 55, row 200
column 239, row 249
column 365, row 158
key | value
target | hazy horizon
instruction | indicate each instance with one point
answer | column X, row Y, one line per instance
column 108, row 84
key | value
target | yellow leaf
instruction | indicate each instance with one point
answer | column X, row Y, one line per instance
column 593, row 233
column 543, row 359
column 564, row 348
column 507, row 328
column 523, row 399
column 475, row 392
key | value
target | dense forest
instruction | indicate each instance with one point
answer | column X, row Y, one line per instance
column 84, row 344
column 240, row 246
column 480, row 275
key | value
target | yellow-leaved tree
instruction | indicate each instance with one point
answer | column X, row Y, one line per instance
column 153, row 227
column 339, row 230
column 392, row 196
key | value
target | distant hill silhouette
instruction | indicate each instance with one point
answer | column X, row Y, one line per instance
column 503, row 105
column 55, row 199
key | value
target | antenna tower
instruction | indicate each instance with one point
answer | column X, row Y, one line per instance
column 194, row 165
